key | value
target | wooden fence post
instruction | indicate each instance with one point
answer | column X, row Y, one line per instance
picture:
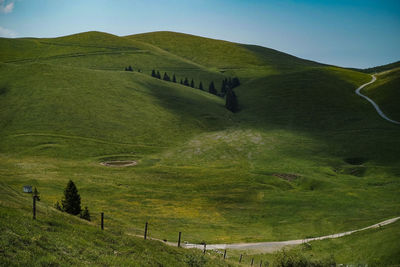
column 240, row 259
column 260, row 263
column 204, row 251
column 145, row 231
column 179, row 239
column 252, row 261
column 225, row 254
column 34, row 207
column 102, row 221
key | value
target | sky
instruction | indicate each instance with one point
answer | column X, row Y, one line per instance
column 348, row 33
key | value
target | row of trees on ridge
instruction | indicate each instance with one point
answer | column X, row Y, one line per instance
column 227, row 86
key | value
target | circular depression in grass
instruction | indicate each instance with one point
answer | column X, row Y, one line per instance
column 355, row 160
column 119, row 163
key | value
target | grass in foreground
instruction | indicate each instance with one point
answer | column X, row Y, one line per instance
column 58, row 239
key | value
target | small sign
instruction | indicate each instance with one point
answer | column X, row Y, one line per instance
column 27, row 189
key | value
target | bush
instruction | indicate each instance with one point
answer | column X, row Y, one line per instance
column 85, row 214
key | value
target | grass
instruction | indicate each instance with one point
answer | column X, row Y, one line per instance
column 66, row 106
column 57, row 239
column 375, row 247
column 385, row 92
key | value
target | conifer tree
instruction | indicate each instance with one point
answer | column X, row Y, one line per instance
column 201, row 86
column 186, row 82
column 130, row 68
column 72, row 200
column 158, row 75
column 153, row 74
column 181, row 82
column 223, row 87
column 174, row 78
column 235, row 82
column 211, row 89
column 192, row 84
column 231, row 102
column 166, row 77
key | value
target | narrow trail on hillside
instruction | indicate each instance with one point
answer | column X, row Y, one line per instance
column 277, row 245
column 372, row 102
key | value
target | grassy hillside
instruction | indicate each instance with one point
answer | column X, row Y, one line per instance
column 375, row 247
column 115, row 107
column 305, row 156
column 57, row 239
column 386, row 92
column 246, row 61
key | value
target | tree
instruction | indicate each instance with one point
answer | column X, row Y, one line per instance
column 153, row 74
column 211, row 89
column 223, row 87
column 192, row 84
column 174, row 78
column 85, row 214
column 130, row 68
column 201, row 86
column 126, row 69
column 231, row 102
column 186, row 82
column 72, row 200
column 166, row 77
column 158, row 75
column 235, row 82
column 181, row 82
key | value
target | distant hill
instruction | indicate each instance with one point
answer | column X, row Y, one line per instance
column 382, row 68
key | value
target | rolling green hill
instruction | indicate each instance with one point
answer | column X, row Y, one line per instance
column 386, row 92
column 305, row 156
column 247, row 61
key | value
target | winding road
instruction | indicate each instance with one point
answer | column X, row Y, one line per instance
column 372, row 102
column 275, row 246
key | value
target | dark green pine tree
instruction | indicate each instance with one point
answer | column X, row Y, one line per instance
column 72, row 200
column 181, row 82
column 158, row 75
column 126, row 69
column 186, row 82
column 231, row 102
column 223, row 87
column 211, row 89
column 174, row 78
column 201, row 86
column 153, row 74
column 130, row 68
column 192, row 84
column 235, row 82
column 166, row 77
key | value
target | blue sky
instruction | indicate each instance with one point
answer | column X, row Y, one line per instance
column 350, row 33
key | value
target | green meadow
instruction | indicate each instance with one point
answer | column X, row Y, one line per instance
column 305, row 156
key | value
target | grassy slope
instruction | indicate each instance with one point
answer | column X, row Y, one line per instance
column 386, row 93
column 201, row 168
column 246, row 61
column 375, row 247
column 57, row 239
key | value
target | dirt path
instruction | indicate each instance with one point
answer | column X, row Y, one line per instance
column 263, row 247
column 372, row 102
